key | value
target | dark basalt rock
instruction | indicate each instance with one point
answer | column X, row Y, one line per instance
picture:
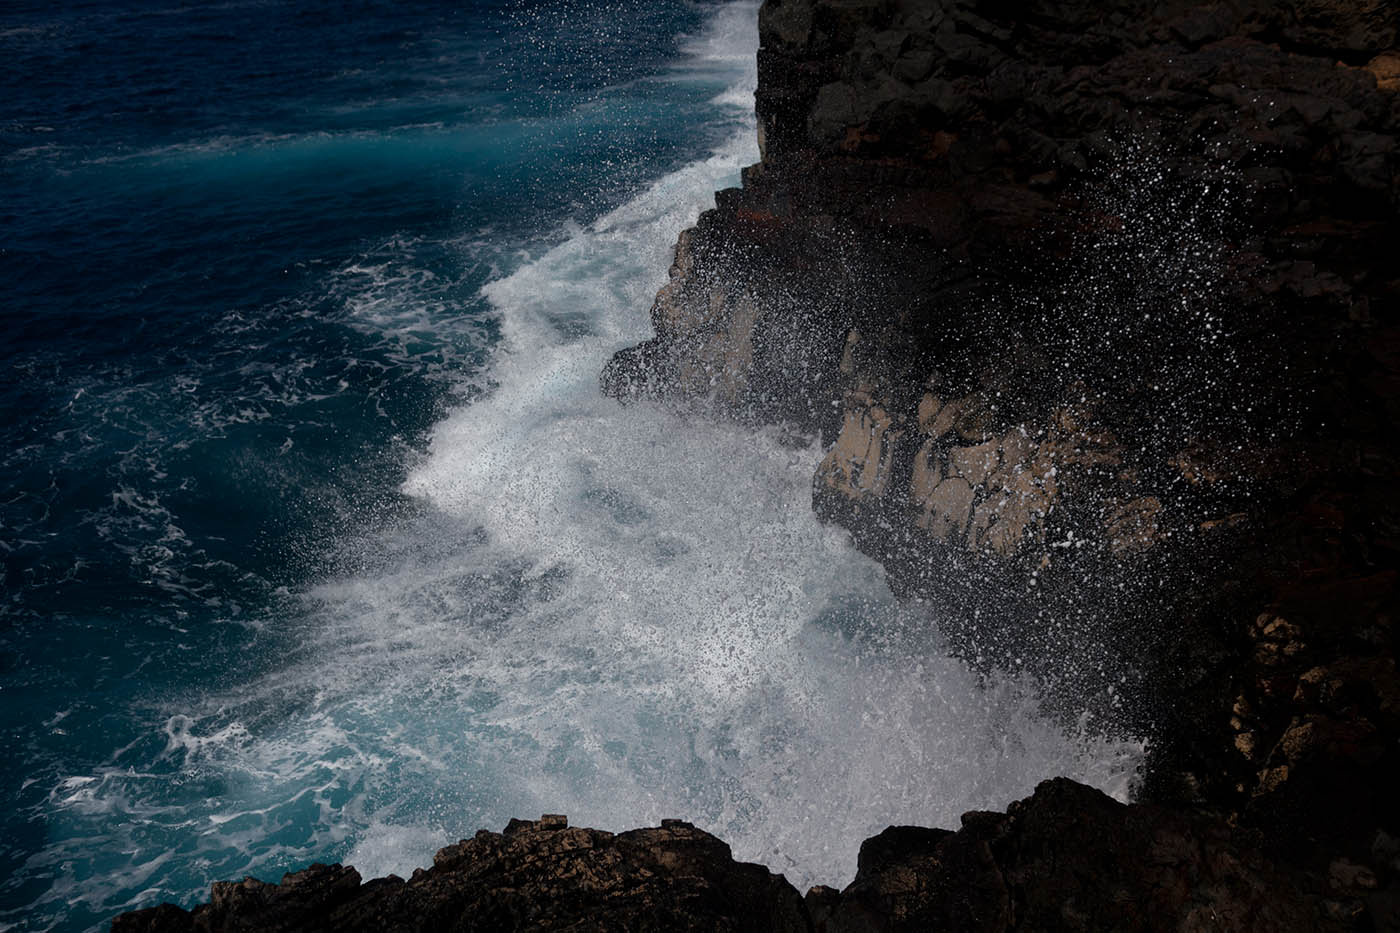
column 1067, row 858
column 540, row 875
column 1070, row 858
column 1094, row 308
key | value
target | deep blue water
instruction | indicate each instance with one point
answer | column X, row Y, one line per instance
column 241, row 248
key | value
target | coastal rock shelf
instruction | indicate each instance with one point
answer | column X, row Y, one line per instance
column 1066, row 858
column 1094, row 310
column 535, row 875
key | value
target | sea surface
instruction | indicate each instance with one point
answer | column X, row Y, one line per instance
column 319, row 541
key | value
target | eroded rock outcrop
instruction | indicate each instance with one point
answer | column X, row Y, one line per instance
column 1066, row 858
column 537, row 875
column 1094, row 309
column 1070, row 858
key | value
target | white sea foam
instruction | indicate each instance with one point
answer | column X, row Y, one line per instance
column 612, row 612
column 685, row 639
column 625, row 615
column 729, row 41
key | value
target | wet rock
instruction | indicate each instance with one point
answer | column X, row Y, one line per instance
column 536, row 875
column 1073, row 451
column 1070, row 858
column 859, row 462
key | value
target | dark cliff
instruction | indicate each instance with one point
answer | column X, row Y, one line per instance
column 1067, row 858
column 1094, row 309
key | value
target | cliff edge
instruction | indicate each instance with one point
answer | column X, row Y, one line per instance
column 1066, row 858
column 1093, row 307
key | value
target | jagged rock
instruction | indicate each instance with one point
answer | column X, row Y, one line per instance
column 540, row 875
column 1070, row 858
column 1091, row 305
column 1066, row 858
column 858, row 463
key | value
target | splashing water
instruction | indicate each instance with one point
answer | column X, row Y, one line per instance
column 625, row 615
column 617, row 613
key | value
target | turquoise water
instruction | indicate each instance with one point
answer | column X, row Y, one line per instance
column 320, row 542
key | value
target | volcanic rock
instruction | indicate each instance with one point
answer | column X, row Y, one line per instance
column 1094, row 309
column 1067, row 858
column 540, row 875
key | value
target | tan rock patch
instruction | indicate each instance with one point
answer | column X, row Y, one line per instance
column 929, row 407
column 1132, row 526
column 976, row 462
column 926, row 473
column 1386, row 69
column 859, row 462
column 947, row 509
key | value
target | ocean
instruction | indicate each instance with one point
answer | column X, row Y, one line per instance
column 320, row 542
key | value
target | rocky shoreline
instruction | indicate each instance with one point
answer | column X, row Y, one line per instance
column 1093, row 307
column 1066, row 858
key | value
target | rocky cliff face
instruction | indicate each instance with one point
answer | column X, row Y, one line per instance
column 1055, row 284
column 1094, row 310
column 1093, row 307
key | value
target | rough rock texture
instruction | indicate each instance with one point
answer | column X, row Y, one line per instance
column 1069, row 858
column 540, row 875
column 1066, row 858
column 1094, row 307
column 1055, row 282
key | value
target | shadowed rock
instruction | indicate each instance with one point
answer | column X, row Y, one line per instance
column 540, row 875
column 1066, row 858
column 1069, row 858
column 1094, row 308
